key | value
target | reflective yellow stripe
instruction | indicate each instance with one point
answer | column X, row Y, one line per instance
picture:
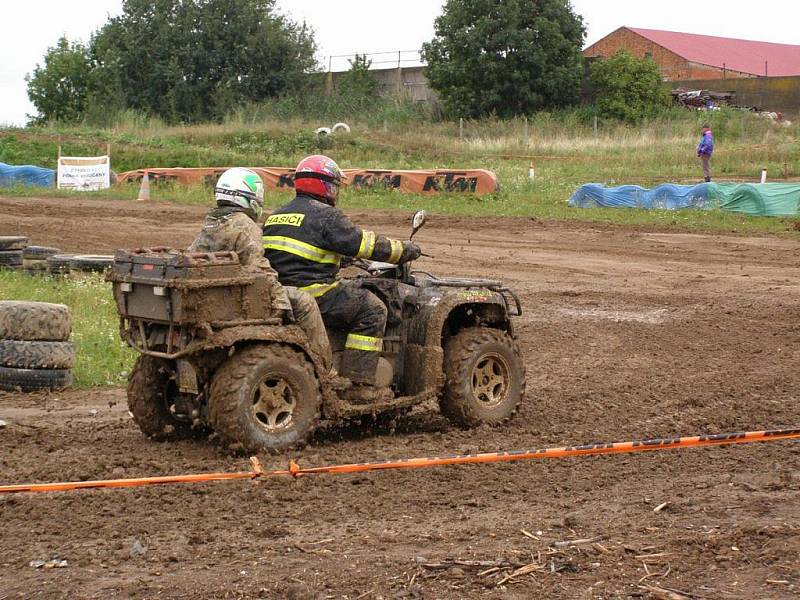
column 318, row 289
column 367, row 245
column 397, row 252
column 301, row 249
column 363, row 342
column 293, row 219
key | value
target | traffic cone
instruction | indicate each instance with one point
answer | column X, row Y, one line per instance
column 144, row 188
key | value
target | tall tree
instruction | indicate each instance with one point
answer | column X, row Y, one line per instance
column 192, row 60
column 189, row 60
column 508, row 57
column 59, row 88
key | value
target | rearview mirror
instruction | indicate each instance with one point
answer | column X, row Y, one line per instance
column 418, row 221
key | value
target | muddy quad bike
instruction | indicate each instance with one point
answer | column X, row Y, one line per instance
column 214, row 356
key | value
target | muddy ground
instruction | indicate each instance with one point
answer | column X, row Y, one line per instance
column 627, row 333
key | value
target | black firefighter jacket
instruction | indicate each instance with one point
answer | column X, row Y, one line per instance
column 306, row 239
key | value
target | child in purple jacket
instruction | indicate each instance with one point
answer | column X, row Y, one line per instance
column 705, row 149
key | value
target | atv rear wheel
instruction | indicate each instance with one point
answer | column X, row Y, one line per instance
column 265, row 397
column 485, row 377
column 151, row 393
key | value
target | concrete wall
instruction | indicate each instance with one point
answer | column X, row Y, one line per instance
column 778, row 94
column 672, row 66
column 406, row 80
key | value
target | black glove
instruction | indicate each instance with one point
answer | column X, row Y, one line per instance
column 410, row 252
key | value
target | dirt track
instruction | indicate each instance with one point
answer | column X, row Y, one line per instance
column 626, row 334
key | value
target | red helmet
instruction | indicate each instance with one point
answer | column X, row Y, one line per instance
column 320, row 177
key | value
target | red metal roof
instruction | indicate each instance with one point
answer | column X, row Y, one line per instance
column 738, row 55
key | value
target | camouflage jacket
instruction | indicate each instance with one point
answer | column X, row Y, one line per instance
column 230, row 230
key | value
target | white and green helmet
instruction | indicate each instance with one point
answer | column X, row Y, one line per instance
column 241, row 187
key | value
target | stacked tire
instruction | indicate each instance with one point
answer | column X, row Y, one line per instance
column 11, row 249
column 90, row 263
column 34, row 259
column 35, row 351
column 59, row 264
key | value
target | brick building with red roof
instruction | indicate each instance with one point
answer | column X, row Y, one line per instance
column 684, row 56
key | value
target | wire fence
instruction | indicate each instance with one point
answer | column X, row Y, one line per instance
column 393, row 59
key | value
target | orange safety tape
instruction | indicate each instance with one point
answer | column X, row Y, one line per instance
column 137, row 482
column 668, row 443
column 648, row 445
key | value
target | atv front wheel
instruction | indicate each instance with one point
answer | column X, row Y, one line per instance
column 485, row 377
column 151, row 393
column 265, row 397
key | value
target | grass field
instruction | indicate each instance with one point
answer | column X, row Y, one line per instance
column 563, row 147
column 102, row 358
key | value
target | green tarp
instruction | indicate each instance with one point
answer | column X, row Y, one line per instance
column 762, row 199
column 759, row 199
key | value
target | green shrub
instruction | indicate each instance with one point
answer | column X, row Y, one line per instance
column 628, row 88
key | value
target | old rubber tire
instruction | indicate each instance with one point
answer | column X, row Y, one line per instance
column 34, row 321
column 31, row 380
column 38, row 265
column 39, row 252
column 59, row 264
column 265, row 397
column 37, row 355
column 91, row 262
column 13, row 242
column 150, row 389
column 10, row 258
column 485, row 377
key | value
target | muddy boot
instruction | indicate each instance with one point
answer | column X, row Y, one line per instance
column 337, row 382
column 360, row 366
column 361, row 394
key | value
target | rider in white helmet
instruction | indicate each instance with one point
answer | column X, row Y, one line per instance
column 233, row 226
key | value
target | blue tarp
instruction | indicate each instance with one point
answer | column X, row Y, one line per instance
column 26, row 175
column 767, row 199
column 665, row 197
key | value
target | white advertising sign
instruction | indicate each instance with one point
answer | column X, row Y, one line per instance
column 84, row 173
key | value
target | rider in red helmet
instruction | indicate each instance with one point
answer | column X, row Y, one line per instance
column 305, row 241
column 319, row 177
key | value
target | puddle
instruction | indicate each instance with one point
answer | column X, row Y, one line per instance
column 654, row 316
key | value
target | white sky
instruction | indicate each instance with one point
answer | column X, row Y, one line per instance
column 349, row 26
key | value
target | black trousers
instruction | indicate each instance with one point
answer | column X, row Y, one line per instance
column 362, row 315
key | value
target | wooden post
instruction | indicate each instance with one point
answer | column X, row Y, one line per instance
column 595, row 128
column 461, row 128
column 786, row 170
column 329, row 77
column 525, row 123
